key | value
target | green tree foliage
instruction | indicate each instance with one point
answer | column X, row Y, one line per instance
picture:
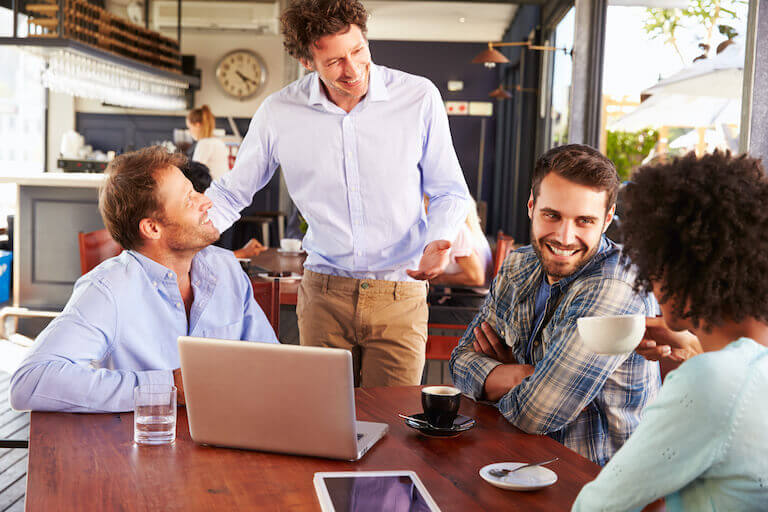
column 628, row 149
column 702, row 16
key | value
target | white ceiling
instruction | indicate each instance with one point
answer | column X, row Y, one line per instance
column 438, row 21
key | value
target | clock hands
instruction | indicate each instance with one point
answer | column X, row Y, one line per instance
column 245, row 78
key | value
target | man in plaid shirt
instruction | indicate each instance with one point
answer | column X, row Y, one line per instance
column 523, row 351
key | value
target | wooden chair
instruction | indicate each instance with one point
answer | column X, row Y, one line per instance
column 267, row 295
column 504, row 245
column 440, row 346
column 96, row 247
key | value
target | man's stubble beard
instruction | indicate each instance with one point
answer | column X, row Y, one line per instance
column 551, row 269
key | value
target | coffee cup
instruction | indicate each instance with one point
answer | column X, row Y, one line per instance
column 441, row 405
column 290, row 244
column 611, row 335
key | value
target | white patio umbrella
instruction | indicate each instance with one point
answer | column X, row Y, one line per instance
column 679, row 110
column 720, row 76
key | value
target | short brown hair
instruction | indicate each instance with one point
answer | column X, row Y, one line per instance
column 129, row 193
column 306, row 21
column 580, row 164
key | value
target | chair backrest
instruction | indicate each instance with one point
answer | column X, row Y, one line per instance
column 504, row 245
column 96, row 247
column 440, row 346
column 267, row 295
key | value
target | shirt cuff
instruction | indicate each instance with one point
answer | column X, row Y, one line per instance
column 479, row 367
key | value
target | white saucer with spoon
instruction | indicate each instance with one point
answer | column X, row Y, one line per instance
column 519, row 476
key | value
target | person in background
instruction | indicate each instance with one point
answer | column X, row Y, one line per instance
column 523, row 351
column 209, row 150
column 470, row 256
column 359, row 145
column 695, row 229
column 120, row 326
column 200, row 176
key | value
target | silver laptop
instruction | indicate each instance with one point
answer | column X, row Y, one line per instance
column 276, row 398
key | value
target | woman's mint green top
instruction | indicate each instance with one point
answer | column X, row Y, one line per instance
column 703, row 444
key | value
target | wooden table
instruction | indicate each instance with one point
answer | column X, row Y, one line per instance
column 89, row 462
column 278, row 262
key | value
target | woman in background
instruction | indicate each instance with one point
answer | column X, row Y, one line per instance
column 209, row 150
column 471, row 257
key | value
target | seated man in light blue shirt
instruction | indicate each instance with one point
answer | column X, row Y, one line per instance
column 120, row 326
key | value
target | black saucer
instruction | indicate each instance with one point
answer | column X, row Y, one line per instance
column 460, row 424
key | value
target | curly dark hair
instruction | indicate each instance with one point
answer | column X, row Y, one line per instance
column 306, row 21
column 580, row 164
column 697, row 227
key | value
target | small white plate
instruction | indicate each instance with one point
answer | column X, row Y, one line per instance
column 527, row 479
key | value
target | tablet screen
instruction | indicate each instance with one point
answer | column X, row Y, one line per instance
column 366, row 493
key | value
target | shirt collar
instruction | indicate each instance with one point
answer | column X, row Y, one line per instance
column 377, row 89
column 159, row 273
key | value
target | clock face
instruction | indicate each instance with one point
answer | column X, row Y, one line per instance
column 241, row 73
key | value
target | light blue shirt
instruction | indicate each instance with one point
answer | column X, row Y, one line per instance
column 703, row 443
column 359, row 177
column 120, row 326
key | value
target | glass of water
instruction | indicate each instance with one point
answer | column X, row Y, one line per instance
column 154, row 414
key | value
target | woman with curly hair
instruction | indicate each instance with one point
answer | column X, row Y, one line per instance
column 696, row 230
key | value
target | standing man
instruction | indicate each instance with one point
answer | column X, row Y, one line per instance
column 359, row 145
column 523, row 351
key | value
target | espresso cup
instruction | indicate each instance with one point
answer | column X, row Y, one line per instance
column 441, row 405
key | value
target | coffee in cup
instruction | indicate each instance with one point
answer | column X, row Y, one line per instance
column 441, row 405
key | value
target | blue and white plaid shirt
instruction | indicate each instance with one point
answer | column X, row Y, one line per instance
column 588, row 402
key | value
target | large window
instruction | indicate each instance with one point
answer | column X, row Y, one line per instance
column 22, row 110
column 672, row 80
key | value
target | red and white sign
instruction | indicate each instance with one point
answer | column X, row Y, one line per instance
column 457, row 108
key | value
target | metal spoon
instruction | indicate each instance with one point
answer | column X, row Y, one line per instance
column 499, row 473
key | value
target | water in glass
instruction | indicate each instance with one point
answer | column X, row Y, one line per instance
column 154, row 415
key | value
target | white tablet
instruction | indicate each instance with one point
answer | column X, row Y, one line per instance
column 363, row 491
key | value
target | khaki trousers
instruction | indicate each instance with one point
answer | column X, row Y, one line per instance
column 383, row 324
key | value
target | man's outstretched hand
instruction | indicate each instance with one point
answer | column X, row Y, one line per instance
column 433, row 261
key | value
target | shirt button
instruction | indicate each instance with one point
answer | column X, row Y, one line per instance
column 359, row 253
column 154, row 283
column 364, row 286
column 169, row 274
column 178, row 305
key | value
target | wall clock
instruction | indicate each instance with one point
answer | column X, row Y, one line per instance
column 241, row 73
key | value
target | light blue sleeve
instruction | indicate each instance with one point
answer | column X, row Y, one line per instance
column 57, row 374
column 680, row 436
column 256, row 326
column 256, row 163
column 443, row 180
